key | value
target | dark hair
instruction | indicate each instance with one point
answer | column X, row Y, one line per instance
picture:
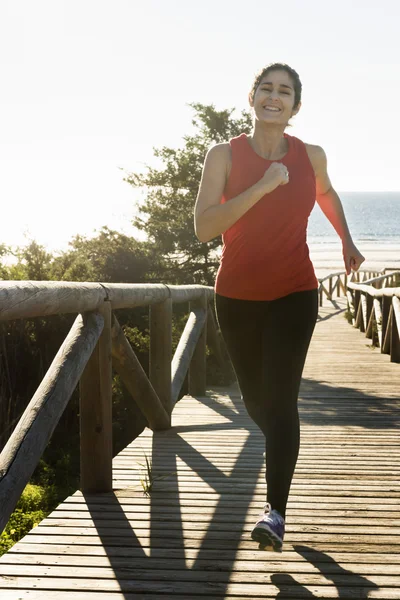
column 279, row 67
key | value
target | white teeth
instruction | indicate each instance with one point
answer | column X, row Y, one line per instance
column 271, row 108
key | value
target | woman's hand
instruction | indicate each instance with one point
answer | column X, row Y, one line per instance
column 351, row 256
column 276, row 174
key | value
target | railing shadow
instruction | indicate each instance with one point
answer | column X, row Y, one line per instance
column 185, row 547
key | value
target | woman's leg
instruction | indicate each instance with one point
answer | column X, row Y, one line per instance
column 267, row 342
column 288, row 326
column 240, row 322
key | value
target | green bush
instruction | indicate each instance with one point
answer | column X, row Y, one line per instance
column 28, row 513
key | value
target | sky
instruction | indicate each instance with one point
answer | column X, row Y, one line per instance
column 90, row 87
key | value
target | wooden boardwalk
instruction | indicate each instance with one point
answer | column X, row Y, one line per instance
column 191, row 538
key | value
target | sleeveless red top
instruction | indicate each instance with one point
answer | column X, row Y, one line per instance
column 265, row 254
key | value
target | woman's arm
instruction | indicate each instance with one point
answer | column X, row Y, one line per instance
column 326, row 196
column 331, row 206
column 212, row 218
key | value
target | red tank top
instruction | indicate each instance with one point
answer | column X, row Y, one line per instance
column 265, row 254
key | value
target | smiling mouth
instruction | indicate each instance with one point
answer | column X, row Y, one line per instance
column 269, row 109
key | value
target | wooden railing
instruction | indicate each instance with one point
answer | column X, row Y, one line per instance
column 375, row 310
column 373, row 303
column 95, row 344
column 337, row 282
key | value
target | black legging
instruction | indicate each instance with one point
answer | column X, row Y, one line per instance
column 267, row 341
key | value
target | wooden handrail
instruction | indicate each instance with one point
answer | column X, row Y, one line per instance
column 372, row 304
column 368, row 277
column 95, row 343
column 23, row 299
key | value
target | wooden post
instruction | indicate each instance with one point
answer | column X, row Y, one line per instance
column 359, row 317
column 350, row 305
column 388, row 337
column 386, row 305
column 161, row 351
column 184, row 352
column 330, row 288
column 364, row 309
column 395, row 331
column 356, row 300
column 378, row 319
column 370, row 305
column 126, row 363
column 96, row 413
column 197, row 368
column 369, row 329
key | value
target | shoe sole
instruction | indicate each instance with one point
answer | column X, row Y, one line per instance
column 267, row 539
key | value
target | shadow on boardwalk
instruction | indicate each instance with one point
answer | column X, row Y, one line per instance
column 206, row 565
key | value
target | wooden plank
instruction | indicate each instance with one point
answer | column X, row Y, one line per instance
column 208, row 589
column 386, row 545
column 36, row 552
column 131, row 578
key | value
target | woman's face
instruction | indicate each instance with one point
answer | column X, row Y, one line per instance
column 276, row 89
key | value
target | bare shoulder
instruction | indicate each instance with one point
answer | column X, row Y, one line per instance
column 221, row 156
column 316, row 154
column 318, row 160
column 221, row 151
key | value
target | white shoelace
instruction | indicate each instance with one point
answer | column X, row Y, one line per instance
column 271, row 512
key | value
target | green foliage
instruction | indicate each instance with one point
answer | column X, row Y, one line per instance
column 110, row 257
column 30, row 510
column 140, row 341
column 148, row 478
column 171, row 196
column 348, row 316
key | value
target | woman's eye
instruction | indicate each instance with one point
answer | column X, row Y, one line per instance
column 267, row 90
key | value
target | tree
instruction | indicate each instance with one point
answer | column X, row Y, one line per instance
column 33, row 263
column 111, row 256
column 172, row 192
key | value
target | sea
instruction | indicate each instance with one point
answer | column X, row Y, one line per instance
column 374, row 222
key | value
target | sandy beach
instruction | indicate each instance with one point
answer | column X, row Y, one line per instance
column 327, row 258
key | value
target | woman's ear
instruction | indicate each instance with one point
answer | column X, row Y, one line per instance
column 251, row 101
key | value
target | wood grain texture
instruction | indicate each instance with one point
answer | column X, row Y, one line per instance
column 23, row 299
column 135, row 379
column 198, row 367
column 95, row 413
column 191, row 538
column 160, row 355
column 193, row 330
column 29, row 439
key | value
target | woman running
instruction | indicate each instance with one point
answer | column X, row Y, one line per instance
column 258, row 192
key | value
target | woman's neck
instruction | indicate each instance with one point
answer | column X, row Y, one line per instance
column 269, row 142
